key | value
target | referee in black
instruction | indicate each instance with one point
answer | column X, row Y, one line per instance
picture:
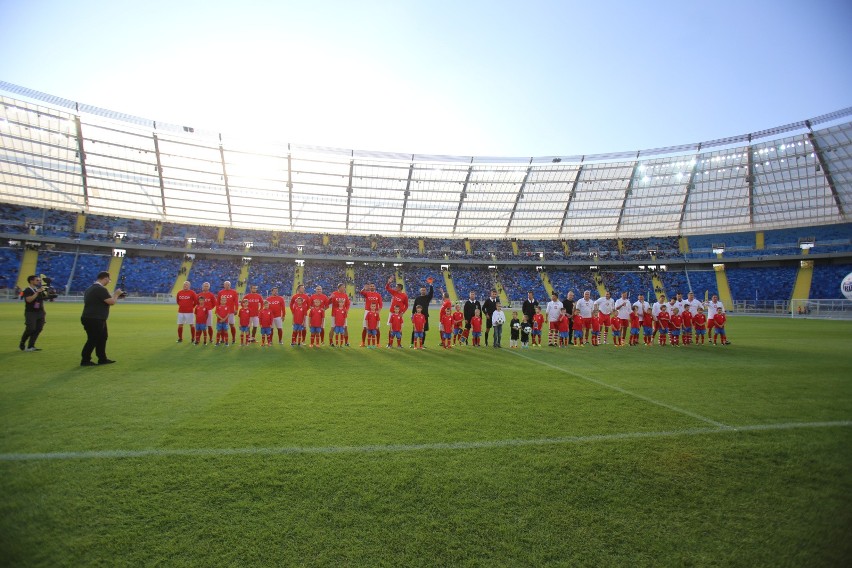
column 96, row 303
column 470, row 307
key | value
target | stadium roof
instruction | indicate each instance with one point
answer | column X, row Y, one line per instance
column 65, row 155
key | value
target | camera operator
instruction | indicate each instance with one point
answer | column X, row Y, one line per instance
column 34, row 315
column 96, row 303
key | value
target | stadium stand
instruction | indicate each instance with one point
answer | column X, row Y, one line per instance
column 826, row 280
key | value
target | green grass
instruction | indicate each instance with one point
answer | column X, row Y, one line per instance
column 190, row 456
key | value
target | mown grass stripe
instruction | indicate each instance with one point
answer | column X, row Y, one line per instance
column 396, row 448
column 627, row 392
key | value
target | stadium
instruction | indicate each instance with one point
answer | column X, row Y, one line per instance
column 402, row 458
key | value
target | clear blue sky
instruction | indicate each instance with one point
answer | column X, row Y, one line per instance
column 485, row 78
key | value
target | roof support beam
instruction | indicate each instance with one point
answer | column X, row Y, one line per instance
column 462, row 196
column 571, row 196
column 290, row 186
column 518, row 197
column 81, row 154
column 690, row 188
column 823, row 164
column 626, row 195
column 750, row 182
column 349, row 192
column 407, row 194
column 225, row 180
column 160, row 172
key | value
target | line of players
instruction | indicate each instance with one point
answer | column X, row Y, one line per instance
column 676, row 320
column 590, row 322
column 224, row 311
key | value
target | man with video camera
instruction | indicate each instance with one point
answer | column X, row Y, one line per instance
column 34, row 296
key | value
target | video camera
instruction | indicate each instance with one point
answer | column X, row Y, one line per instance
column 48, row 291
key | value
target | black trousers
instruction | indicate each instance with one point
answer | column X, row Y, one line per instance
column 96, row 338
column 34, row 325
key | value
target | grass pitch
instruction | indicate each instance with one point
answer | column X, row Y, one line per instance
column 189, row 456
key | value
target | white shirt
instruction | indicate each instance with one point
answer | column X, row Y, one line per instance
column 692, row 306
column 605, row 306
column 624, row 309
column 643, row 307
column 713, row 308
column 655, row 309
column 553, row 310
column 585, row 306
column 498, row 317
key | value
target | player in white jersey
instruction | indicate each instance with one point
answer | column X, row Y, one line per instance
column 605, row 307
column 585, row 305
column 691, row 304
column 642, row 306
column 553, row 311
column 713, row 306
column 655, row 312
column 623, row 307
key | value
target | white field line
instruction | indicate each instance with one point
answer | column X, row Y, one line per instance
column 400, row 448
column 627, row 392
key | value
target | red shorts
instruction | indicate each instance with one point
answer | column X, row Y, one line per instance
column 587, row 323
column 554, row 326
column 605, row 319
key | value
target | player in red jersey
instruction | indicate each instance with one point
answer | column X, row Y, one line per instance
column 596, row 327
column 615, row 327
column 719, row 327
column 316, row 319
column 370, row 297
column 334, row 300
column 446, row 328
column 300, row 312
column 664, row 317
column 278, row 307
column 687, row 325
column 300, row 293
column 372, row 317
column 579, row 327
column 232, row 302
column 210, row 303
column 201, row 315
column 265, row 318
column 699, row 320
column 476, row 327
column 395, row 324
column 458, row 324
column 224, row 314
column 675, row 325
column 244, row 320
column 648, row 328
column 537, row 326
column 634, row 325
column 338, row 318
column 255, row 303
column 564, row 326
column 324, row 303
column 399, row 298
column 418, row 320
column 446, row 304
column 186, row 300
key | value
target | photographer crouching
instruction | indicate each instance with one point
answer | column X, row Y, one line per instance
column 34, row 296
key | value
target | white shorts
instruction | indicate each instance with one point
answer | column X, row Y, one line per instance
column 231, row 319
column 254, row 321
column 210, row 319
column 278, row 323
column 186, row 318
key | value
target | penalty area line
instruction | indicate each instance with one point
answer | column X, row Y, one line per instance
column 399, row 448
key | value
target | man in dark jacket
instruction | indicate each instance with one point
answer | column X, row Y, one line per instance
column 423, row 300
column 488, row 307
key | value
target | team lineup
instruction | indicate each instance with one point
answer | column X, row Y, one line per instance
column 569, row 322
